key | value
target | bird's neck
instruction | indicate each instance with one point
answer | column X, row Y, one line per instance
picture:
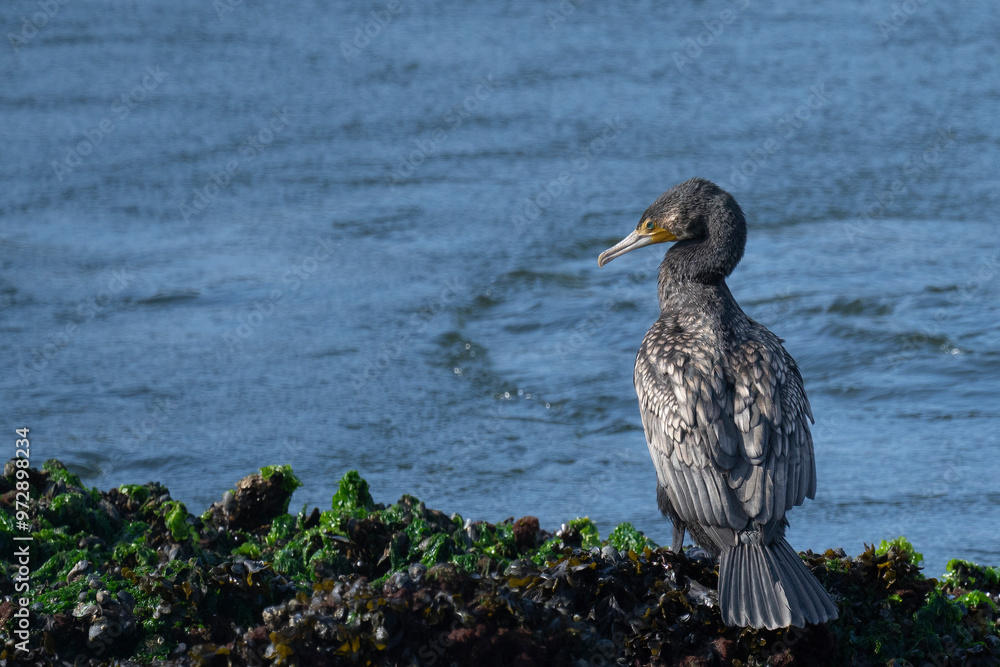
column 707, row 261
column 698, row 267
column 684, row 294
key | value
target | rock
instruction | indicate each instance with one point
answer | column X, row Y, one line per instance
column 126, row 599
column 111, row 512
column 309, row 590
column 91, row 541
column 78, row 570
column 273, row 617
column 85, row 609
column 610, row 554
column 417, row 572
column 526, row 531
column 6, row 611
column 99, row 631
column 256, row 501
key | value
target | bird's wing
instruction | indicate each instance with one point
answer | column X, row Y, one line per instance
column 775, row 470
column 729, row 444
column 687, row 414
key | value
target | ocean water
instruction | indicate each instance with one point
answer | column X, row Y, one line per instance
column 364, row 235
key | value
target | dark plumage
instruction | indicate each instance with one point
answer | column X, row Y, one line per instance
column 725, row 414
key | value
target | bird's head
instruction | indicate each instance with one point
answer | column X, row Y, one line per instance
column 703, row 217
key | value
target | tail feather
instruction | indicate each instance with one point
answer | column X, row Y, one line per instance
column 770, row 587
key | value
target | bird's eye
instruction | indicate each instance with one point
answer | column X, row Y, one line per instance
column 650, row 225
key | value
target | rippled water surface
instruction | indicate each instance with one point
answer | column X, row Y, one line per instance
column 241, row 234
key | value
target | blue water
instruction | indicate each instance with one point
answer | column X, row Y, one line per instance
column 241, row 234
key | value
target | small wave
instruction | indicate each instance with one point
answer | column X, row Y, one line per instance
column 860, row 307
column 164, row 298
column 532, row 278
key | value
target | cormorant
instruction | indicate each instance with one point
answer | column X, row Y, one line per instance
column 725, row 414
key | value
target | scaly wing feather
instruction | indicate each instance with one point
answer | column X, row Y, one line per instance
column 730, row 442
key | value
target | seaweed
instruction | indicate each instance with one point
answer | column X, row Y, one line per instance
column 130, row 575
column 352, row 497
column 900, row 544
column 626, row 538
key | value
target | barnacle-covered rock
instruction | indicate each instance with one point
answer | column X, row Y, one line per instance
column 130, row 575
column 257, row 499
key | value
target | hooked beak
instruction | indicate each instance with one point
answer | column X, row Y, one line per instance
column 637, row 239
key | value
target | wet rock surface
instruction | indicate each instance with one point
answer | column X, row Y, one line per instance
column 129, row 576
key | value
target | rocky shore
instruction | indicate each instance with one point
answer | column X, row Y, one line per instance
column 129, row 576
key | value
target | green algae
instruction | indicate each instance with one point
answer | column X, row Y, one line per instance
column 48, row 542
column 938, row 617
column 496, row 542
column 976, row 599
column 137, row 491
column 891, row 612
column 78, row 512
column 902, row 545
column 183, row 572
column 963, row 574
column 591, row 537
column 289, row 482
column 281, row 529
column 70, row 510
column 439, row 549
column 59, row 564
column 133, row 554
column 330, row 521
column 176, row 517
column 66, row 505
column 302, row 553
column 550, row 550
column 626, row 538
column 249, row 549
column 59, row 473
column 401, row 511
column 7, row 522
column 63, row 599
column 353, row 497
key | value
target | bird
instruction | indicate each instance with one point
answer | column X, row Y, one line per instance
column 725, row 414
